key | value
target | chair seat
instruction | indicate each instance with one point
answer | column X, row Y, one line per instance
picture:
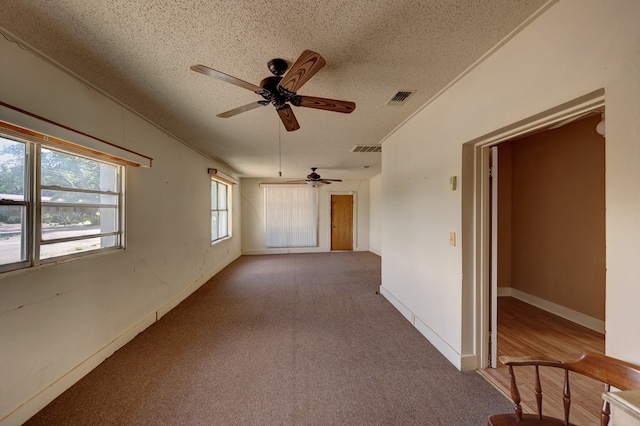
column 527, row 419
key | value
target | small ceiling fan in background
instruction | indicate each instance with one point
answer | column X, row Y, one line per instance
column 315, row 179
column 281, row 89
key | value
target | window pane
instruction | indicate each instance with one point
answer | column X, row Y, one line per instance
column 51, row 196
column 66, row 206
column 65, row 222
column 60, row 221
column 12, row 168
column 222, row 196
column 222, row 224
column 12, row 234
column 214, row 226
column 214, row 195
column 71, row 171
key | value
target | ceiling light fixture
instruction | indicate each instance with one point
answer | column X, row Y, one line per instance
column 601, row 126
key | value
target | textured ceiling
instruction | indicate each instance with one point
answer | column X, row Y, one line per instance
column 139, row 52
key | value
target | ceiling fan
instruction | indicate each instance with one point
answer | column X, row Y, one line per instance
column 280, row 90
column 314, row 179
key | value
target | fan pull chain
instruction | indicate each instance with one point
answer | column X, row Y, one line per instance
column 280, row 148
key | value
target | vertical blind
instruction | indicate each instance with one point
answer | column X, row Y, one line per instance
column 291, row 215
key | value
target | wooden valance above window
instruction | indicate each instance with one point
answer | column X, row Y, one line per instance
column 222, row 177
column 55, row 135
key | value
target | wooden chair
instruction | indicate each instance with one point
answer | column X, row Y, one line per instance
column 611, row 371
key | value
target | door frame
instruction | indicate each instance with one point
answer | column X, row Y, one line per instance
column 476, row 214
column 493, row 243
column 354, row 219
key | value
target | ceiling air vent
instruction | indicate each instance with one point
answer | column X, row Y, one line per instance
column 367, row 148
column 400, row 97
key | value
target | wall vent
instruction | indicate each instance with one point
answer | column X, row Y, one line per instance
column 366, row 148
column 400, row 97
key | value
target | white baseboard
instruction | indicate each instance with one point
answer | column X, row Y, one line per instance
column 504, row 291
column 461, row 362
column 406, row 312
column 561, row 311
column 37, row 402
column 375, row 251
column 296, row 250
column 286, row 250
column 34, row 404
column 177, row 299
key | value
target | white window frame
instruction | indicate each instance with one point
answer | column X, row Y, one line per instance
column 33, row 203
column 217, row 183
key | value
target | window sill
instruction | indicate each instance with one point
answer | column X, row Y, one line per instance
column 221, row 240
column 48, row 264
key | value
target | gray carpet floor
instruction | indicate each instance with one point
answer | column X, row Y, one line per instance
column 298, row 339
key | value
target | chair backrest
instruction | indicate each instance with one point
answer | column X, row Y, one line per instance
column 614, row 372
column 611, row 371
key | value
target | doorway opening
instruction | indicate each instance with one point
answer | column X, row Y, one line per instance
column 548, row 226
column 485, row 157
column 477, row 210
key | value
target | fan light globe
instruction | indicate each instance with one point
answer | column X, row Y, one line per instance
column 601, row 127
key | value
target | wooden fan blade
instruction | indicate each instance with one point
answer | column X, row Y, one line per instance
column 345, row 107
column 238, row 110
column 226, row 77
column 302, row 70
column 332, row 180
column 288, row 118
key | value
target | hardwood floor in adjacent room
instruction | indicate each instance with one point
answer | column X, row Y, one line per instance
column 526, row 330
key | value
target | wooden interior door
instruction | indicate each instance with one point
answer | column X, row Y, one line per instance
column 341, row 222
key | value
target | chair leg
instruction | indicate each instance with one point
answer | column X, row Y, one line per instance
column 567, row 397
column 515, row 393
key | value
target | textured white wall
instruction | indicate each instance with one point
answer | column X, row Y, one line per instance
column 574, row 48
column 57, row 322
column 253, row 237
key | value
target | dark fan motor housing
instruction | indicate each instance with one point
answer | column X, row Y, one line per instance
column 313, row 177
